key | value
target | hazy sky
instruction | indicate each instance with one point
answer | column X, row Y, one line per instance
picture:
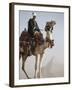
column 42, row 17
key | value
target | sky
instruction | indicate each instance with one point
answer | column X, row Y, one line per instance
column 57, row 52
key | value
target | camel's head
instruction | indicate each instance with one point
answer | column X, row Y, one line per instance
column 49, row 32
column 49, row 25
column 53, row 23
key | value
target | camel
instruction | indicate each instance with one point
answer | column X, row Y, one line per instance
column 26, row 49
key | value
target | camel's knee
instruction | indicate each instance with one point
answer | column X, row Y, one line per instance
column 23, row 67
column 19, row 57
column 35, row 67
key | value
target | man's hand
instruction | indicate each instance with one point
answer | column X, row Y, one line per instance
column 34, row 28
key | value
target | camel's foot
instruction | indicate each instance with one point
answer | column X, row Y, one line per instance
column 22, row 68
column 25, row 73
column 34, row 76
column 38, row 75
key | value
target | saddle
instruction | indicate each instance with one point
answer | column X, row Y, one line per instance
column 26, row 41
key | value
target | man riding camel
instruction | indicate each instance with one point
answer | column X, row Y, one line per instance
column 32, row 25
column 33, row 29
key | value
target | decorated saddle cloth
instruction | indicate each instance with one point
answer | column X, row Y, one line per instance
column 24, row 39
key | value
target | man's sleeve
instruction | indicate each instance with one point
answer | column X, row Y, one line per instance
column 37, row 27
column 30, row 24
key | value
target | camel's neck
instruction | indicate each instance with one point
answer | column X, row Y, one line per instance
column 44, row 44
column 44, row 34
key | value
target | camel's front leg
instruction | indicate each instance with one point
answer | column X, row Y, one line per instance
column 38, row 75
column 35, row 75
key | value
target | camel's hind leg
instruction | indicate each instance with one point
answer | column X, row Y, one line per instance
column 37, row 69
column 23, row 65
column 20, row 55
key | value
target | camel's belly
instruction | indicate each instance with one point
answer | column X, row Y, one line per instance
column 39, row 49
